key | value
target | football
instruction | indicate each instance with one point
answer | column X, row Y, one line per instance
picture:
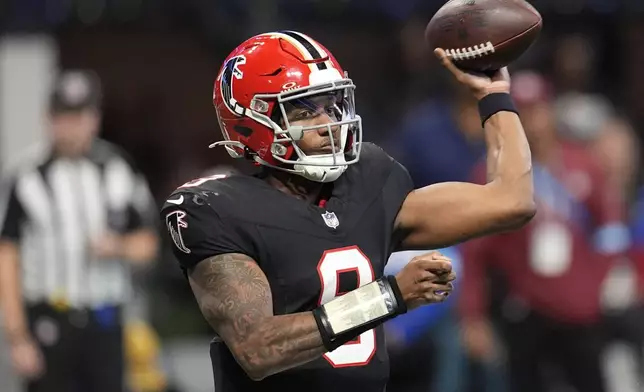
column 484, row 35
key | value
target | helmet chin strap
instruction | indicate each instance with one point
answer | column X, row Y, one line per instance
column 322, row 173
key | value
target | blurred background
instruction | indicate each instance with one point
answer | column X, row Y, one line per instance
column 562, row 297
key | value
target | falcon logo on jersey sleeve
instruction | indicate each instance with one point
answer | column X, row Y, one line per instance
column 175, row 223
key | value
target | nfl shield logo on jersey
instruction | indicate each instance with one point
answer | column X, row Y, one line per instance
column 330, row 219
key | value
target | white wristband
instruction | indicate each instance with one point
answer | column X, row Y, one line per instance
column 361, row 306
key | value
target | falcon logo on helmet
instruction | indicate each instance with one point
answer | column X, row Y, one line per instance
column 230, row 72
column 260, row 80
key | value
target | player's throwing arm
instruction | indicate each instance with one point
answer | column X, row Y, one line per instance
column 441, row 215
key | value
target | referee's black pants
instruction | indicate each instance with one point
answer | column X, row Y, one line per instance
column 82, row 349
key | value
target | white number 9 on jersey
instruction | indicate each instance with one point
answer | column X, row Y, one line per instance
column 332, row 265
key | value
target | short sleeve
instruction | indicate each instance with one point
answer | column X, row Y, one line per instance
column 398, row 185
column 12, row 213
column 197, row 231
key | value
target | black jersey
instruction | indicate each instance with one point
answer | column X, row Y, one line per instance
column 310, row 255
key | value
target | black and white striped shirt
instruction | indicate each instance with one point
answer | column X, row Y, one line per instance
column 55, row 207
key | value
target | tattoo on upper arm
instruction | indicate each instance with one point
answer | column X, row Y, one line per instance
column 233, row 294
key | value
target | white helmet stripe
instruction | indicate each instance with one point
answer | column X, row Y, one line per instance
column 314, row 49
column 313, row 43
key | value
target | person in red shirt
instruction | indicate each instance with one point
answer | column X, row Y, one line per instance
column 554, row 267
column 617, row 149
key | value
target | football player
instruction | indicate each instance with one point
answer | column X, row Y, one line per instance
column 287, row 265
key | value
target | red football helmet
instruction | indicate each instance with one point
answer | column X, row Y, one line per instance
column 255, row 82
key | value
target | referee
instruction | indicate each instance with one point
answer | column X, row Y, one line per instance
column 76, row 217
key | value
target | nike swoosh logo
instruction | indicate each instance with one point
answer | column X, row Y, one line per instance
column 176, row 201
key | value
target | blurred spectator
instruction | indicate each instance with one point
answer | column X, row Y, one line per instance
column 554, row 266
column 575, row 63
column 581, row 111
column 582, row 116
column 586, row 115
column 440, row 139
column 616, row 148
column 77, row 216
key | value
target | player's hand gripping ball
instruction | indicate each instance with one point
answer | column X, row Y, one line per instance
column 484, row 35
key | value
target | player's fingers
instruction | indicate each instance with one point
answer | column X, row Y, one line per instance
column 436, row 297
column 433, row 287
column 440, row 257
column 436, row 256
column 447, row 62
column 437, row 267
column 443, row 291
column 431, row 254
column 445, row 278
column 501, row 75
column 440, row 278
column 428, row 255
column 443, row 288
column 424, row 276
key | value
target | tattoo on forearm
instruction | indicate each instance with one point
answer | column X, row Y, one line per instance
column 236, row 299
